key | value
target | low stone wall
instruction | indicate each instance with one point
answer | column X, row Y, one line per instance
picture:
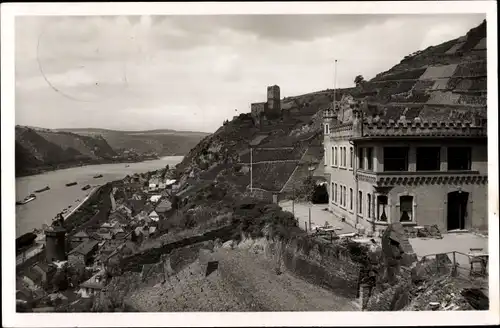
column 327, row 270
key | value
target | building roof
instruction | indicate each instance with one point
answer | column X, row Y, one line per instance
column 43, row 266
column 118, row 216
column 164, row 206
column 136, row 205
column 148, row 208
column 122, row 235
column 81, row 234
column 153, row 213
column 93, row 283
column 85, row 248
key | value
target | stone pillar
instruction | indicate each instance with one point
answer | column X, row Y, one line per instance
column 443, row 157
column 412, row 159
column 364, row 295
column 378, row 163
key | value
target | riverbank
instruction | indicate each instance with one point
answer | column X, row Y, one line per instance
column 91, row 193
column 50, row 168
column 49, row 203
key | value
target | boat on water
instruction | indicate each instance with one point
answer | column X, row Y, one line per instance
column 26, row 199
column 43, row 189
column 97, row 176
column 70, row 184
column 86, row 187
column 127, row 165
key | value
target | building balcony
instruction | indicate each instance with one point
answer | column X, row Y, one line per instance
column 392, row 178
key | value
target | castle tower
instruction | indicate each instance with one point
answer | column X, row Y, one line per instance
column 55, row 242
column 273, row 108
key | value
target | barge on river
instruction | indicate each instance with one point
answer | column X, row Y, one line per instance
column 43, row 189
column 26, row 199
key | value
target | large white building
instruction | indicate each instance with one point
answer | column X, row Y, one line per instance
column 414, row 172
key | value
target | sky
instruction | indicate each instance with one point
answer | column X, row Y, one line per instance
column 191, row 73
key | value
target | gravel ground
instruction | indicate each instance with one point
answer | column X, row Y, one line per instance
column 243, row 282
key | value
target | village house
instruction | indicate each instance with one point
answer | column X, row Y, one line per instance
column 93, row 286
column 154, row 198
column 164, row 208
column 45, row 270
column 410, row 171
column 141, row 216
column 125, row 209
column 136, row 206
column 118, row 217
column 78, row 238
column 154, row 184
column 154, row 216
column 82, row 254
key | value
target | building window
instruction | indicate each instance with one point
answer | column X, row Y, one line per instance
column 361, row 159
column 340, row 196
column 333, row 156
column 327, row 129
column 350, row 199
column 459, row 158
column 336, row 157
column 360, row 202
column 352, row 157
column 406, row 208
column 369, row 204
column 326, row 156
column 382, row 208
column 345, row 196
column 428, row 158
column 345, row 156
column 332, row 192
column 369, row 157
column 335, row 193
column 396, row 158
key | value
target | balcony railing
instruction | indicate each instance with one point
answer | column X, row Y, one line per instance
column 421, row 177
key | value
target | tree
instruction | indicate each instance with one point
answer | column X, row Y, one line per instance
column 60, row 280
column 359, row 80
column 320, row 195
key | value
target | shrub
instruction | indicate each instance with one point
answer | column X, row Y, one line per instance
column 320, row 195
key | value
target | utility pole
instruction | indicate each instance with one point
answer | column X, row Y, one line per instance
column 309, row 217
column 251, row 169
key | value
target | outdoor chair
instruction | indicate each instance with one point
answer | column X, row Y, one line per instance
column 478, row 261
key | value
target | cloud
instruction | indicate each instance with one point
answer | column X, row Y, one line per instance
column 192, row 72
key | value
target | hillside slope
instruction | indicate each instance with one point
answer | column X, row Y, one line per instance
column 41, row 150
column 161, row 142
column 446, row 82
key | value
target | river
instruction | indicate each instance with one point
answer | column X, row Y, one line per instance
column 48, row 203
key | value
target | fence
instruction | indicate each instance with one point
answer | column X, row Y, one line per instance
column 474, row 266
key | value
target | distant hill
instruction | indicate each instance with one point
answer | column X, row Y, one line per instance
column 42, row 149
column 163, row 142
column 446, row 82
column 39, row 149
